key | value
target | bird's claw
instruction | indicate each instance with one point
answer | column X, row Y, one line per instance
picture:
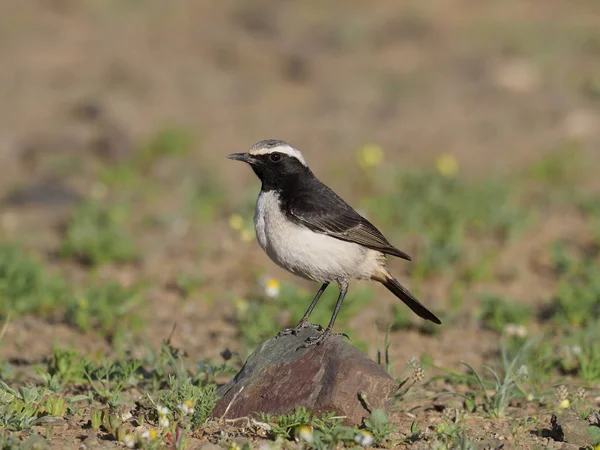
column 320, row 338
column 295, row 330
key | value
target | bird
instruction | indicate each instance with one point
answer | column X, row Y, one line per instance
column 308, row 230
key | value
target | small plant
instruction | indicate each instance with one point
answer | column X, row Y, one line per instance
column 26, row 286
column 316, row 433
column 505, row 386
column 444, row 211
column 378, row 425
column 108, row 308
column 64, row 367
column 95, row 235
column 577, row 298
column 190, row 401
column 584, row 354
column 417, row 375
column 498, row 312
column 451, row 430
column 24, row 407
column 188, row 283
column 593, row 428
column 169, row 142
column 558, row 167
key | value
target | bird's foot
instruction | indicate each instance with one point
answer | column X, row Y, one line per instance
column 295, row 330
column 313, row 341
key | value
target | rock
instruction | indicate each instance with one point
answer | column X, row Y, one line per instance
column 568, row 427
column 279, row 377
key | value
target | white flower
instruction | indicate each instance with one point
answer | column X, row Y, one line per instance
column 363, row 438
column 129, row 440
column 163, row 422
column 187, row 407
column 162, row 410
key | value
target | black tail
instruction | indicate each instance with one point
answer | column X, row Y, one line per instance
column 402, row 293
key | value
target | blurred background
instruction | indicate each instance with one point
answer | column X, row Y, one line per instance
column 466, row 130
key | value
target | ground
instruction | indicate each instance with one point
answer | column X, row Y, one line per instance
column 467, row 131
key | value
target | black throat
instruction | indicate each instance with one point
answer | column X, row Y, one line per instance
column 284, row 176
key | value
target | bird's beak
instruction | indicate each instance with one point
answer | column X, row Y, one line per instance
column 245, row 157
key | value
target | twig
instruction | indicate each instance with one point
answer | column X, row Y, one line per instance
column 231, row 402
column 250, row 421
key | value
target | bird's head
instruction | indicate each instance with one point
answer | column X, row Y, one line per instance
column 275, row 162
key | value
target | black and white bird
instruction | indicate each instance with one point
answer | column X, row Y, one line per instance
column 307, row 229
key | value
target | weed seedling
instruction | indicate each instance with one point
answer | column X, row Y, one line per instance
column 95, row 235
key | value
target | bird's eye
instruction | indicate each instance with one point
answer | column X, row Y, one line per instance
column 275, row 157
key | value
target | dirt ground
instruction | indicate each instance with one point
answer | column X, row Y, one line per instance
column 498, row 85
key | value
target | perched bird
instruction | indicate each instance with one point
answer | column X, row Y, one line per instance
column 307, row 229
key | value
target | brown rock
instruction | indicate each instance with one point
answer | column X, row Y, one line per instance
column 570, row 428
column 279, row 377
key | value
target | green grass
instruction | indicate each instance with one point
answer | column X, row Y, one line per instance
column 108, row 308
column 327, row 431
column 95, row 235
column 27, row 286
column 74, row 384
column 440, row 213
column 577, row 298
column 498, row 312
column 135, row 173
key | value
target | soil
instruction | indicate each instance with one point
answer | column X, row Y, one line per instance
column 496, row 84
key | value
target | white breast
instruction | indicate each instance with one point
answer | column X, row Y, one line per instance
column 311, row 255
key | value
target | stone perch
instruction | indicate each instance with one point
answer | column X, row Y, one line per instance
column 279, row 377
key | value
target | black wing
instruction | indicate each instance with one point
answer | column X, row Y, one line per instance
column 328, row 214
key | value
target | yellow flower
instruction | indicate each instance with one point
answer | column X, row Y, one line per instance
column 149, row 434
column 447, row 165
column 370, row 155
column 564, row 404
column 236, row 222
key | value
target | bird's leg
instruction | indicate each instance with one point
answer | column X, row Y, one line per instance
column 304, row 321
column 316, row 340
